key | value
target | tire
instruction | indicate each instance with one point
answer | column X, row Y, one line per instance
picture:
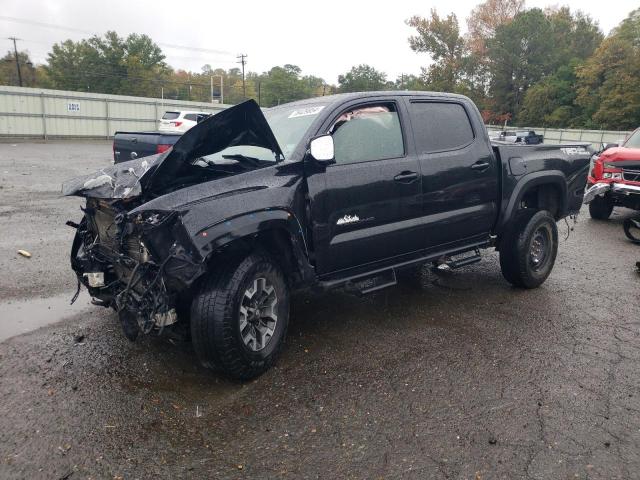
column 632, row 230
column 528, row 250
column 224, row 304
column 600, row 208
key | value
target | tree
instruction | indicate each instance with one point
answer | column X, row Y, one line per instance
column 9, row 70
column 361, row 79
column 609, row 81
column 286, row 84
column 485, row 18
column 109, row 64
column 551, row 102
column 441, row 39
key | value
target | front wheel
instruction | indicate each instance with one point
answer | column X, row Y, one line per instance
column 239, row 317
column 600, row 208
column 528, row 250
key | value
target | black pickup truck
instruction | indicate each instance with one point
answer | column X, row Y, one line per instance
column 338, row 191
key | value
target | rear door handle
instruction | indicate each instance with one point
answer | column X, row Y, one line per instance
column 480, row 165
column 406, row 177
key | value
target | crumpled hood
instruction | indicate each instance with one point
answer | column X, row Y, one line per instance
column 620, row 154
column 243, row 124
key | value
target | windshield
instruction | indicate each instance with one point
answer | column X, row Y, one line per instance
column 634, row 140
column 288, row 124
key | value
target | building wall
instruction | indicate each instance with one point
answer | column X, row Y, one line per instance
column 42, row 113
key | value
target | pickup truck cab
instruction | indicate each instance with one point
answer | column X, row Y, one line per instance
column 614, row 178
column 338, row 191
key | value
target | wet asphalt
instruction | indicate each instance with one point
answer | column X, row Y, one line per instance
column 451, row 375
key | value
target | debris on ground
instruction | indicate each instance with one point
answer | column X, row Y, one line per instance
column 24, row 253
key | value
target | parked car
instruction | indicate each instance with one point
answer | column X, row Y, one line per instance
column 131, row 145
column 528, row 137
column 181, row 121
column 337, row 191
column 614, row 178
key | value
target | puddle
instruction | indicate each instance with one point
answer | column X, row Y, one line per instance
column 22, row 316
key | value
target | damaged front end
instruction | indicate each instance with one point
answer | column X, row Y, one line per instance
column 140, row 261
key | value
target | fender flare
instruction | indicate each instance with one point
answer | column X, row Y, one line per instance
column 212, row 238
column 526, row 184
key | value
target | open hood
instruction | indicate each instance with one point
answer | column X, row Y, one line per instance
column 243, row 124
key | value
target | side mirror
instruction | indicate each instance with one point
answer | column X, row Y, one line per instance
column 607, row 146
column 321, row 149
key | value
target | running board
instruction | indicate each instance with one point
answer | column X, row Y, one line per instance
column 464, row 261
column 372, row 283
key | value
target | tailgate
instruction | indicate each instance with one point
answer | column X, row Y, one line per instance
column 131, row 145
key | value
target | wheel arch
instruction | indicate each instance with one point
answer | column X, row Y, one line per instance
column 276, row 231
column 545, row 190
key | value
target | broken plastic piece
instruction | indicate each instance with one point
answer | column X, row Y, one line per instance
column 24, row 253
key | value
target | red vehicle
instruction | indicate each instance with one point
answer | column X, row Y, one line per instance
column 614, row 178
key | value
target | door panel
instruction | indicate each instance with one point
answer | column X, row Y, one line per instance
column 459, row 173
column 364, row 207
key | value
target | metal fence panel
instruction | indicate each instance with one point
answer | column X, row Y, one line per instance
column 33, row 112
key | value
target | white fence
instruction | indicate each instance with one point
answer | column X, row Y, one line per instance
column 40, row 113
column 555, row 135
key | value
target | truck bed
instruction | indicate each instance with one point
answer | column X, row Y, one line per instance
column 131, row 145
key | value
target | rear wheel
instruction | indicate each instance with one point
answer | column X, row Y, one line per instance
column 600, row 208
column 528, row 250
column 240, row 316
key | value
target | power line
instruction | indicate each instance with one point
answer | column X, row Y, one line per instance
column 87, row 32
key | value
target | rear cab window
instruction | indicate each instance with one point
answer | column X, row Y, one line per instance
column 170, row 115
column 367, row 133
column 440, row 126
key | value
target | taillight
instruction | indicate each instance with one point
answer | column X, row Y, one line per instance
column 162, row 148
column 176, row 124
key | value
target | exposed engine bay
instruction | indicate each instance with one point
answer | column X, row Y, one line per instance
column 139, row 260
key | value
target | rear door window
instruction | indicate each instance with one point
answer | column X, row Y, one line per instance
column 440, row 126
column 191, row 116
column 368, row 133
column 170, row 115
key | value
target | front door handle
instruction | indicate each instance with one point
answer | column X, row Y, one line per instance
column 480, row 165
column 406, row 177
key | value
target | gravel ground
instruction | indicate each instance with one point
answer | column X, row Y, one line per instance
column 454, row 376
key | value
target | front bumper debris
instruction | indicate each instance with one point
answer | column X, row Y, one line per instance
column 613, row 189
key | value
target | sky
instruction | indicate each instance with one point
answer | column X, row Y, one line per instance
column 325, row 39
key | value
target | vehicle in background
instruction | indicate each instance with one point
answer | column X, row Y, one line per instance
column 131, row 145
column 181, row 121
column 528, row 137
column 340, row 191
column 614, row 178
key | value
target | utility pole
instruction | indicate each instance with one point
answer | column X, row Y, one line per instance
column 15, row 49
column 242, row 58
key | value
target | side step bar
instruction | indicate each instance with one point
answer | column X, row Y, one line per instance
column 372, row 283
column 454, row 263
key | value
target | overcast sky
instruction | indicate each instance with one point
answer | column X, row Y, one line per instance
column 324, row 40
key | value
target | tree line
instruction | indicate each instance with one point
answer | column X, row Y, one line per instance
column 546, row 68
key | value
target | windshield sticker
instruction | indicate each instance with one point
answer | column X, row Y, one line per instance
column 303, row 112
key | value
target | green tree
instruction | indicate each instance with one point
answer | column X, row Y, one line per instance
column 441, row 39
column 110, row 64
column 609, row 84
column 551, row 102
column 362, row 78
